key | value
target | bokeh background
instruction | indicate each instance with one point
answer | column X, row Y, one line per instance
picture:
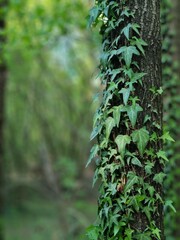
column 51, row 60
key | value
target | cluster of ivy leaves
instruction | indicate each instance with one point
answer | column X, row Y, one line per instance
column 125, row 162
column 171, row 103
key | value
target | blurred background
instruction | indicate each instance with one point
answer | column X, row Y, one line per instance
column 48, row 64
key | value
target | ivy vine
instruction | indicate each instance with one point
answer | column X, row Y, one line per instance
column 125, row 160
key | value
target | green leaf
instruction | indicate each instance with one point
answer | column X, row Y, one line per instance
column 141, row 138
column 148, row 167
column 132, row 179
column 92, row 232
column 117, row 114
column 143, row 236
column 166, row 136
column 116, row 230
column 135, row 161
column 137, row 76
column 162, row 154
column 139, row 43
column 160, row 90
column 110, row 123
column 112, row 187
column 95, row 132
column 93, row 152
column 95, row 177
column 128, row 54
column 94, row 14
column 128, row 233
column 122, row 141
column 114, row 73
column 159, row 177
column 151, row 190
column 126, row 30
column 156, row 232
column 132, row 112
column 169, row 203
column 126, row 12
column 146, row 210
column 126, row 93
column 135, row 27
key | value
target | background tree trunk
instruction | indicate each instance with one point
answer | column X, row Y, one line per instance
column 3, row 78
column 177, row 144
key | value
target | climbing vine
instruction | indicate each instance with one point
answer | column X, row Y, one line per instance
column 128, row 154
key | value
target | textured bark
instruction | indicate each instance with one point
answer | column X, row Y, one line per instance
column 147, row 15
column 3, row 77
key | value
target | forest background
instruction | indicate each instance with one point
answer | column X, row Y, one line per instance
column 51, row 60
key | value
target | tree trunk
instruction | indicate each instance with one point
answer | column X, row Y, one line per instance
column 147, row 15
column 177, row 145
column 129, row 121
column 3, row 77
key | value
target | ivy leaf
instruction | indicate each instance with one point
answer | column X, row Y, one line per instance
column 93, row 152
column 141, row 137
column 116, row 230
column 132, row 179
column 132, row 112
column 156, row 232
column 95, row 177
column 169, row 203
column 114, row 73
column 125, row 92
column 160, row 90
column 92, row 232
column 139, row 43
column 137, row 76
column 148, row 167
column 128, row 233
column 117, row 114
column 126, row 30
column 112, row 188
column 143, row 236
column 151, row 190
column 162, row 154
column 122, row 141
column 146, row 210
column 126, row 12
column 159, row 177
column 166, row 136
column 135, row 27
column 110, row 123
column 135, row 161
column 94, row 14
column 95, row 132
column 128, row 53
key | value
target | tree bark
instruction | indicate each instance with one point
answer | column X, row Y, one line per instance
column 147, row 15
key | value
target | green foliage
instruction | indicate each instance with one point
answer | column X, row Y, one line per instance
column 48, row 91
column 171, row 118
column 126, row 160
column 122, row 141
column 141, row 137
